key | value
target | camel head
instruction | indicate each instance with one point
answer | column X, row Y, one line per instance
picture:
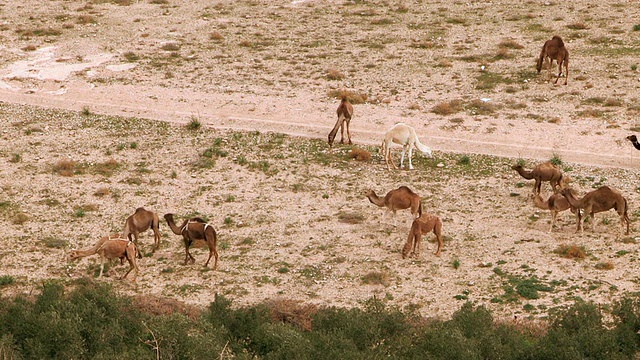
column 632, row 138
column 73, row 255
column 517, row 167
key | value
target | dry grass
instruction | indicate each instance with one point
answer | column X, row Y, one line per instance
column 292, row 312
column 571, row 251
column 103, row 191
column 216, row 36
column 333, row 74
column 606, row 265
column 65, row 167
column 376, row 278
column 447, row 108
column 353, row 97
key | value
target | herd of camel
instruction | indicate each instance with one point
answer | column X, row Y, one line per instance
column 123, row 246
column 563, row 198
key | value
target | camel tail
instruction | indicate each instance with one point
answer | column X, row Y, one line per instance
column 540, row 59
column 422, row 147
column 626, row 215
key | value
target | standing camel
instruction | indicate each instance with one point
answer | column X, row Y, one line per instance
column 404, row 135
column 398, row 199
column 554, row 49
column 195, row 229
column 602, row 199
column 422, row 226
column 555, row 203
column 542, row 172
column 345, row 112
column 141, row 221
column 111, row 247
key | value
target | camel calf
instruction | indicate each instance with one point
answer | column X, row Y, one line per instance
column 422, row 226
column 111, row 248
column 555, row 203
column 345, row 112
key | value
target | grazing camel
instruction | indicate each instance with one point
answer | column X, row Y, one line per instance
column 398, row 199
column 195, row 229
column 602, row 199
column 542, row 172
column 555, row 203
column 345, row 112
column 554, row 49
column 111, row 247
column 634, row 141
column 422, row 226
column 404, row 135
column 140, row 222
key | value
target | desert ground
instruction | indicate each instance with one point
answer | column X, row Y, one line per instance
column 222, row 109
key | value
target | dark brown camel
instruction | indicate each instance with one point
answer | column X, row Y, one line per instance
column 554, row 49
column 634, row 141
column 195, row 229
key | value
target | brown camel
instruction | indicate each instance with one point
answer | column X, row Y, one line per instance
column 554, row 49
column 542, row 172
column 555, row 203
column 422, row 226
column 398, row 199
column 602, row 199
column 111, row 247
column 345, row 112
column 141, row 221
column 195, row 229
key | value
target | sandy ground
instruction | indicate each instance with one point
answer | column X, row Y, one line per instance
column 274, row 67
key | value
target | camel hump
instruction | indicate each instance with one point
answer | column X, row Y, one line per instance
column 140, row 209
column 558, row 39
column 343, row 98
column 406, row 188
column 197, row 219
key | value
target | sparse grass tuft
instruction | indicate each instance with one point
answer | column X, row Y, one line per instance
column 571, row 251
column 65, row 167
column 607, row 265
column 194, row 123
column 447, row 108
column 577, row 26
column 130, row 56
column 353, row 98
column 376, row 278
column 350, row 218
column 333, row 74
column 216, row 36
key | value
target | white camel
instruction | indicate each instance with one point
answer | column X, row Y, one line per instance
column 404, row 135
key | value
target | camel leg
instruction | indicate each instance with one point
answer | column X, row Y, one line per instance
column 416, row 245
column 553, row 220
column 348, row 132
column 101, row 266
column 214, row 252
column 410, row 156
column 342, row 132
column 404, row 149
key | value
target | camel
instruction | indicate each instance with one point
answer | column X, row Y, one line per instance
column 554, row 49
column 398, row 199
column 345, row 112
column 140, row 222
column 111, row 247
column 542, row 172
column 422, row 226
column 195, row 229
column 404, row 135
column 555, row 203
column 634, row 141
column 602, row 199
